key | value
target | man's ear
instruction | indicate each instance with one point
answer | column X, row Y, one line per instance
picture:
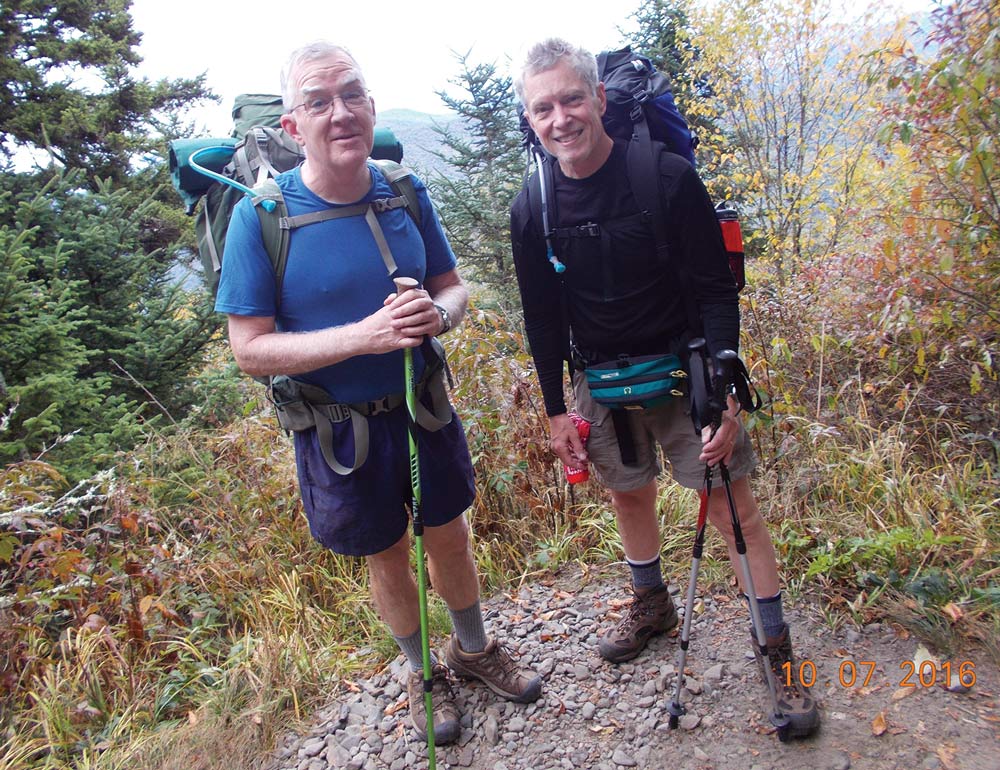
column 291, row 127
column 602, row 98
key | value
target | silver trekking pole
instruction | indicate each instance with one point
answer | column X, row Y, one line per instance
column 674, row 707
column 708, row 393
column 781, row 722
column 402, row 285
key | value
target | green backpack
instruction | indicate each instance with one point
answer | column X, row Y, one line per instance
column 258, row 151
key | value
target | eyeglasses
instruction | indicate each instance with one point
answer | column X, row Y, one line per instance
column 320, row 104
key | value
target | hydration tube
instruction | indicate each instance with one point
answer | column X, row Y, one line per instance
column 267, row 204
column 558, row 266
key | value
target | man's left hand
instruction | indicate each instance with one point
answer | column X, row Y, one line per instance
column 414, row 314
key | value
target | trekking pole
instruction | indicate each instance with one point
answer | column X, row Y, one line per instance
column 780, row 721
column 704, row 411
column 402, row 285
column 674, row 707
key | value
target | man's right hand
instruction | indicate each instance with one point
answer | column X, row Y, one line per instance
column 564, row 440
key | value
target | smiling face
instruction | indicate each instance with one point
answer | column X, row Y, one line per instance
column 337, row 142
column 566, row 115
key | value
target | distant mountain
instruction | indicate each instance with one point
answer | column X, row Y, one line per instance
column 416, row 131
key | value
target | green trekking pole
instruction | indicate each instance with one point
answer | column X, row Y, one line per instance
column 404, row 284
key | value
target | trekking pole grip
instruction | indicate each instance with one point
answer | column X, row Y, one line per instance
column 405, row 284
column 724, row 362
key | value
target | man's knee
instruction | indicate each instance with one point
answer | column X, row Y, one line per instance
column 450, row 538
column 635, row 502
column 393, row 558
column 750, row 519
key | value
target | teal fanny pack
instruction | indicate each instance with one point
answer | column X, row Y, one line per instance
column 636, row 382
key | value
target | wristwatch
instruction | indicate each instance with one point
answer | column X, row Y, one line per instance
column 445, row 318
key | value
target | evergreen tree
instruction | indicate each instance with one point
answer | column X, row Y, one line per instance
column 50, row 407
column 95, row 333
column 48, row 51
column 487, row 163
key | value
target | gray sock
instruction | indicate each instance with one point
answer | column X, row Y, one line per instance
column 646, row 575
column 413, row 649
column 469, row 628
column 772, row 616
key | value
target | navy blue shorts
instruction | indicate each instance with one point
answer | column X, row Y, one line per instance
column 366, row 512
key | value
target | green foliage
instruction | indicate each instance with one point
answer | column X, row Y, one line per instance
column 486, row 169
column 96, row 335
column 49, row 54
column 185, row 576
column 880, row 552
column 521, row 494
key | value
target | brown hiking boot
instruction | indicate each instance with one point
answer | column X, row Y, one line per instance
column 794, row 700
column 647, row 615
column 497, row 669
column 446, row 724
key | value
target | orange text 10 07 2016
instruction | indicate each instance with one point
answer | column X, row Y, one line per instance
column 859, row 673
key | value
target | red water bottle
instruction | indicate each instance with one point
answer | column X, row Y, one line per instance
column 732, row 236
column 576, row 475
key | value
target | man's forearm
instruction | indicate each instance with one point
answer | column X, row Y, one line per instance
column 298, row 352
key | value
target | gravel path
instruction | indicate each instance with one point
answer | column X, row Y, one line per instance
column 595, row 715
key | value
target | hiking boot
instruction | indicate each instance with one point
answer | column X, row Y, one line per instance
column 446, row 724
column 497, row 669
column 794, row 700
column 647, row 615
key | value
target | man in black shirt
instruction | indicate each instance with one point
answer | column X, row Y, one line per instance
column 618, row 296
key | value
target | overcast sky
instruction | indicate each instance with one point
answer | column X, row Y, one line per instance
column 405, row 48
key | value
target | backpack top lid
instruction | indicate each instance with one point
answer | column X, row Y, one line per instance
column 251, row 110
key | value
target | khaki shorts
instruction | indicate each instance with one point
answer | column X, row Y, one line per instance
column 668, row 425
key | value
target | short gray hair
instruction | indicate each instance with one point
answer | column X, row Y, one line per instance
column 310, row 52
column 547, row 54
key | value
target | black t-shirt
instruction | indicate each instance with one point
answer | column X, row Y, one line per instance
column 620, row 297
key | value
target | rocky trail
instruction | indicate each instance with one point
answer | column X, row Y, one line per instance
column 886, row 701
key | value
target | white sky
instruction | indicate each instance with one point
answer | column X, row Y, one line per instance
column 404, row 47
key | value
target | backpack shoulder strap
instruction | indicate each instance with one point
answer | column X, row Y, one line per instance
column 400, row 178
column 274, row 237
column 642, row 159
column 533, row 187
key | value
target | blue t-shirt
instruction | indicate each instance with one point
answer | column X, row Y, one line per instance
column 335, row 276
